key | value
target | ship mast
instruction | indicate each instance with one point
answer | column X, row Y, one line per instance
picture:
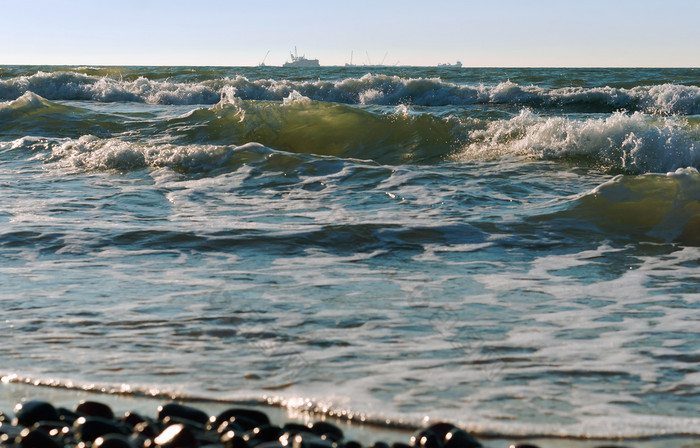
column 262, row 64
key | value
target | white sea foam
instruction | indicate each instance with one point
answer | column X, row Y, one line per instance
column 619, row 142
column 77, row 86
column 392, row 90
column 92, row 153
column 668, row 99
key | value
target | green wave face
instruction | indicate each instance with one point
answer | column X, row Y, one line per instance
column 652, row 207
column 620, row 143
column 324, row 129
column 31, row 114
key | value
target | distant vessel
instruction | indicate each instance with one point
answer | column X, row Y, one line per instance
column 301, row 61
column 262, row 64
column 350, row 64
column 457, row 64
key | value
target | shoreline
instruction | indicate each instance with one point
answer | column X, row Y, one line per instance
column 364, row 433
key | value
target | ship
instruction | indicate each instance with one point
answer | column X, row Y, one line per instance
column 301, row 61
column 262, row 64
column 458, row 64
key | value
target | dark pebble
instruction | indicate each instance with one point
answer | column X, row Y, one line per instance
column 37, row 438
column 244, row 423
column 327, row 429
column 295, row 428
column 311, row 441
column 381, row 445
column 182, row 411
column 59, row 431
column 264, row 433
column 400, row 445
column 30, row 412
column 257, row 417
column 441, row 429
column 271, row 444
column 94, row 409
column 459, row 438
column 132, row 419
column 176, row 436
column 93, row 425
column 193, row 425
column 228, row 426
column 232, row 440
column 425, row 439
column 10, row 431
column 113, row 441
column 148, row 430
column 288, row 437
column 66, row 415
column 88, row 429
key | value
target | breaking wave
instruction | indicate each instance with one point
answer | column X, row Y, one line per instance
column 619, row 143
column 79, row 86
column 105, row 86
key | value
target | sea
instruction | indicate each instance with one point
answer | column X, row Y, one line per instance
column 513, row 250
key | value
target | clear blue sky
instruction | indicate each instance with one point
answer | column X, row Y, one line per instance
column 233, row 32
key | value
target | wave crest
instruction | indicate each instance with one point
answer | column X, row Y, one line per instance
column 301, row 125
column 620, row 142
column 78, row 86
column 370, row 89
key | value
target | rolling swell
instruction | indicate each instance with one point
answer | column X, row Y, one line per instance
column 30, row 114
column 651, row 207
column 207, row 139
column 300, row 125
column 109, row 85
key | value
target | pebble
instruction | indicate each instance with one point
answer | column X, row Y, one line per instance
column 459, row 438
column 113, row 441
column 87, row 429
column 182, row 411
column 255, row 417
column 261, row 434
column 327, row 429
column 30, row 412
column 425, row 438
column 92, row 424
column 37, row 438
column 94, row 409
column 176, row 436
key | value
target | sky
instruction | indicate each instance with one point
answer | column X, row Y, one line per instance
column 495, row 33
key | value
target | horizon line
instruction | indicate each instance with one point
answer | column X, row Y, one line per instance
column 357, row 66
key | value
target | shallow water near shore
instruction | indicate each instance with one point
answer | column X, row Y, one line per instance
column 514, row 250
column 365, row 433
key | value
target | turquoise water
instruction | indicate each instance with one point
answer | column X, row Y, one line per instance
column 514, row 250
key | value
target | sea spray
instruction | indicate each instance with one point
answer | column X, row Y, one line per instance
column 632, row 143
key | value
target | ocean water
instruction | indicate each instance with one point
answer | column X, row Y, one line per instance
column 513, row 250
